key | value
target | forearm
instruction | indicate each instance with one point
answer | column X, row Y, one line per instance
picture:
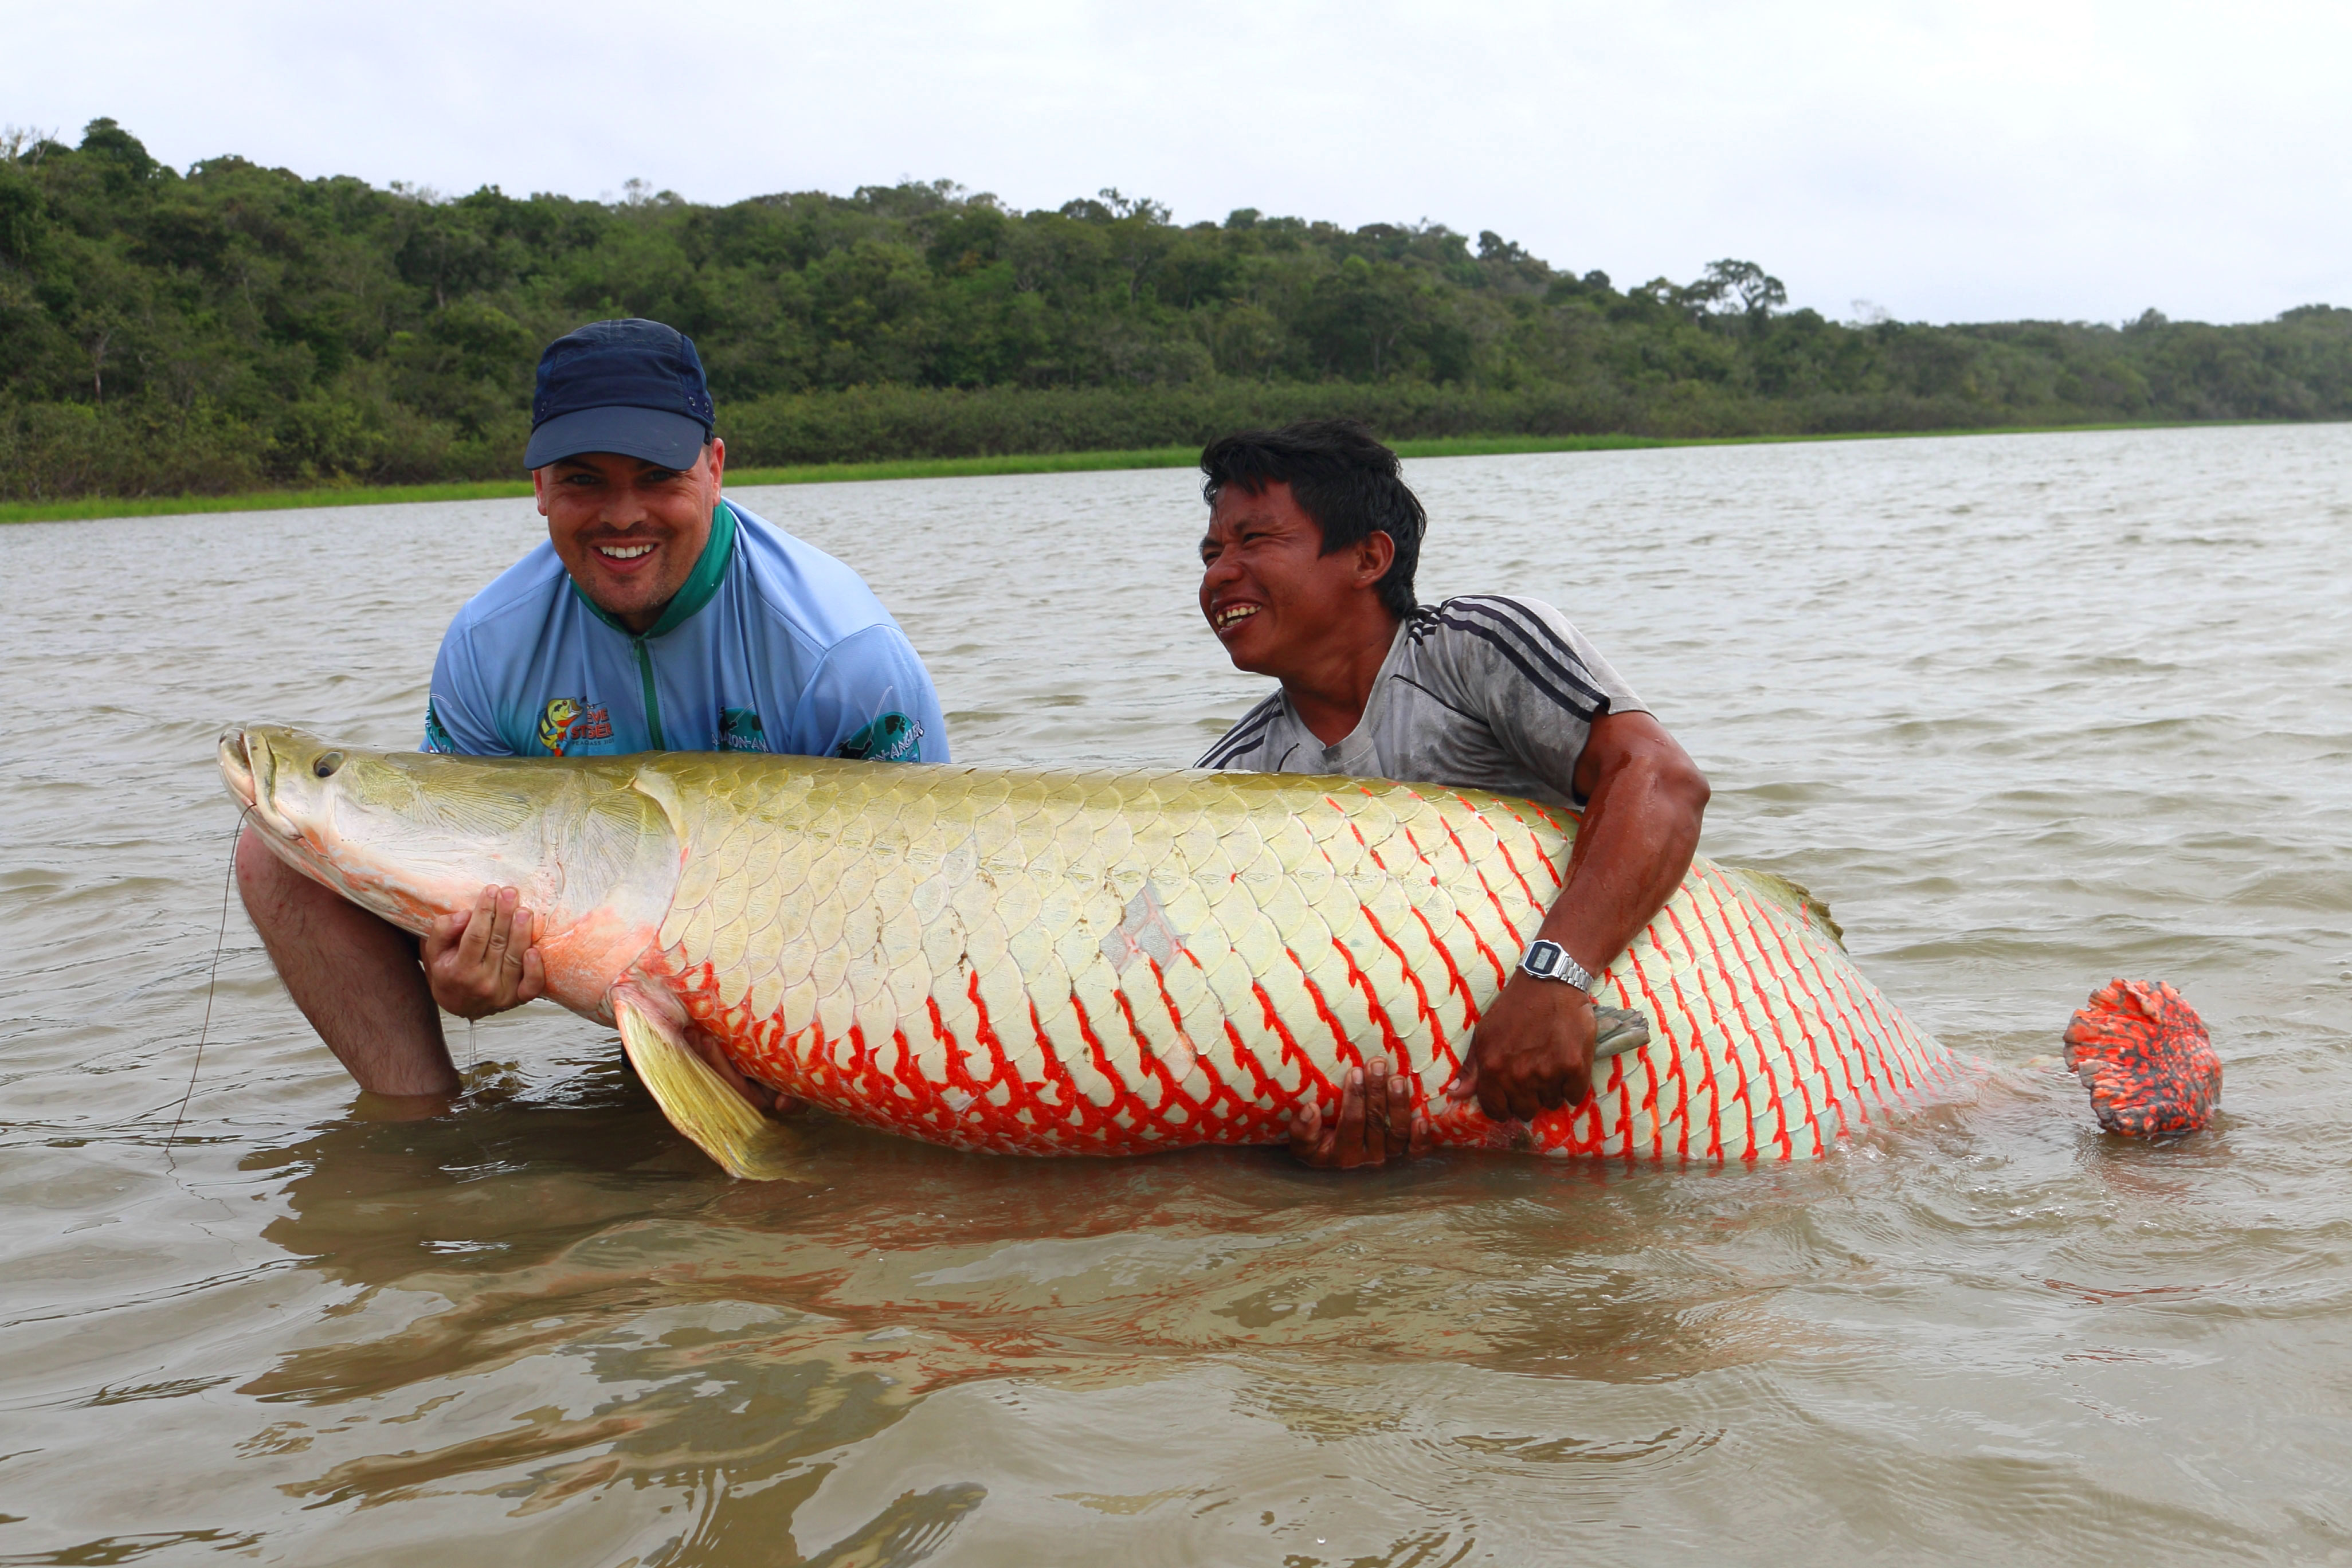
column 1640, row 829
column 1534, row 1050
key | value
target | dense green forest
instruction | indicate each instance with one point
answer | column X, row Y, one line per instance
column 234, row 327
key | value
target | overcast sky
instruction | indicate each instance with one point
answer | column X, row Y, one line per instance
column 1945, row 162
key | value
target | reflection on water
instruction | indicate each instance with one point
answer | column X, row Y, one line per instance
column 2029, row 711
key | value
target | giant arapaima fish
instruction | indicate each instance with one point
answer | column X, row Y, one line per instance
column 1123, row 964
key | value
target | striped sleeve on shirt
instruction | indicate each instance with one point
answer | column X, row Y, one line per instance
column 1244, row 736
column 1535, row 685
column 1543, row 654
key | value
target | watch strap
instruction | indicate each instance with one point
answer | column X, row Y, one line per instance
column 1548, row 960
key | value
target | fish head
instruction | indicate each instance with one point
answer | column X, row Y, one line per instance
column 413, row 837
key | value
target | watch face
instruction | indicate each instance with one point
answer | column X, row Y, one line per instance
column 1543, row 958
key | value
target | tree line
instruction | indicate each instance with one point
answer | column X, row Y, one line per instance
column 236, row 326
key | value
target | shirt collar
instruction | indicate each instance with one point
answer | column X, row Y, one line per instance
column 1358, row 741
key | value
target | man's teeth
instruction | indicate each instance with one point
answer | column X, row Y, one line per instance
column 623, row 552
column 1237, row 613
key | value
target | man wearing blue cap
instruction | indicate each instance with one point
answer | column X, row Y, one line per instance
column 656, row 617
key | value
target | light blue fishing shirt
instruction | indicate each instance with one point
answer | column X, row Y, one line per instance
column 771, row 646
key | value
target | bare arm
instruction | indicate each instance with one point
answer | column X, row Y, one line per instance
column 1645, row 799
column 1533, row 1049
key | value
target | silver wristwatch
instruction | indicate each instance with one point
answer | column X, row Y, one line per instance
column 1549, row 961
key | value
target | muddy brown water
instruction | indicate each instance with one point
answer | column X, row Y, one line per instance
column 2028, row 711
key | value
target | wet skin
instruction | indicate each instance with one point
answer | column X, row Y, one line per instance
column 1314, row 621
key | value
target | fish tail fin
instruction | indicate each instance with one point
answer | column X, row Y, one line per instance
column 2143, row 1053
column 698, row 1102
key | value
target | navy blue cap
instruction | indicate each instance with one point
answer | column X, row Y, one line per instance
column 631, row 386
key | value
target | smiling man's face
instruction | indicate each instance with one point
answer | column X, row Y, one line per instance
column 1277, row 602
column 629, row 532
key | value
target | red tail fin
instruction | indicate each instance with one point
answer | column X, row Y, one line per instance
column 2143, row 1054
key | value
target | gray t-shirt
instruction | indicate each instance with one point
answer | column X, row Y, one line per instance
column 1486, row 691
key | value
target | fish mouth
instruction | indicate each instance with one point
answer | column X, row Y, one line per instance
column 237, row 768
column 249, row 768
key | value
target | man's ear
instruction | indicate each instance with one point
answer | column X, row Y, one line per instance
column 539, row 488
column 1375, row 553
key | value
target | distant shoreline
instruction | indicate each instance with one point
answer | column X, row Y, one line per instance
column 102, row 507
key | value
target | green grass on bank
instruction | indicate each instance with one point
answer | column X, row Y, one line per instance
column 92, row 507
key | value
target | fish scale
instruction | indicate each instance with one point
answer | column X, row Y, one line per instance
column 980, row 973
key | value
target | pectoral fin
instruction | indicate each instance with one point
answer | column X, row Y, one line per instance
column 1620, row 1030
column 698, row 1102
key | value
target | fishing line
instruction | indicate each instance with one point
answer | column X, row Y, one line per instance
column 220, row 938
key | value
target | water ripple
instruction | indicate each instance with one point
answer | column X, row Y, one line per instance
column 2029, row 712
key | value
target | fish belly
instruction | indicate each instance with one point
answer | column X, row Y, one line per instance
column 1059, row 963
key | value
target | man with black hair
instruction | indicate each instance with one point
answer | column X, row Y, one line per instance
column 1307, row 576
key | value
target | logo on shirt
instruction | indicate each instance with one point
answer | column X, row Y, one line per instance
column 740, row 731
column 892, row 738
column 437, row 736
column 570, row 720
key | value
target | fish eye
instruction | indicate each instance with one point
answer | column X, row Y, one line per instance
column 326, row 765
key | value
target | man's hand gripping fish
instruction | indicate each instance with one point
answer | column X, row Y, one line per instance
column 1121, row 963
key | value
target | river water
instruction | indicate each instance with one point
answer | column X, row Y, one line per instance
column 2029, row 712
